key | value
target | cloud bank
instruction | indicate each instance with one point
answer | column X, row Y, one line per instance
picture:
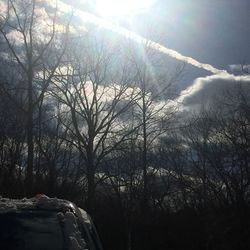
column 207, row 90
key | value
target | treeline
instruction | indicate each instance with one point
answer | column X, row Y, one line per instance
column 92, row 117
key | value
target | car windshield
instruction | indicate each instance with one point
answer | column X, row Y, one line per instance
column 31, row 230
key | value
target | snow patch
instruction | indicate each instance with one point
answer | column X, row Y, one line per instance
column 72, row 232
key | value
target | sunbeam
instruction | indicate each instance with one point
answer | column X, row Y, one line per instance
column 121, row 7
column 88, row 17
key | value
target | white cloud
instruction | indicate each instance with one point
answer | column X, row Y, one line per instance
column 186, row 59
column 3, row 7
column 206, row 91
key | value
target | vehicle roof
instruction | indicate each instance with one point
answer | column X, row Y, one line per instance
column 41, row 202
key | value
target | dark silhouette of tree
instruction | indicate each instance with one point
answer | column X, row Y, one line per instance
column 94, row 95
column 31, row 35
column 153, row 110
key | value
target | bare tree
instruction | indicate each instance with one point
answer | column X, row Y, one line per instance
column 218, row 143
column 31, row 32
column 153, row 110
column 12, row 143
column 95, row 94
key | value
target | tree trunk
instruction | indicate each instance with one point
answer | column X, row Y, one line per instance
column 30, row 144
column 144, row 157
column 90, row 177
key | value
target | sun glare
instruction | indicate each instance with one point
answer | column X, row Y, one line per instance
column 121, row 7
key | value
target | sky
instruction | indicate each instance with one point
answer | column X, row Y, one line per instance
column 208, row 34
column 214, row 32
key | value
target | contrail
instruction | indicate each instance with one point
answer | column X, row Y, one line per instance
column 88, row 17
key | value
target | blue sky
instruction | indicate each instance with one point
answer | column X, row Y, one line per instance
column 212, row 31
column 215, row 32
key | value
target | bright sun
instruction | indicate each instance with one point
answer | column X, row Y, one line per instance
column 121, row 7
